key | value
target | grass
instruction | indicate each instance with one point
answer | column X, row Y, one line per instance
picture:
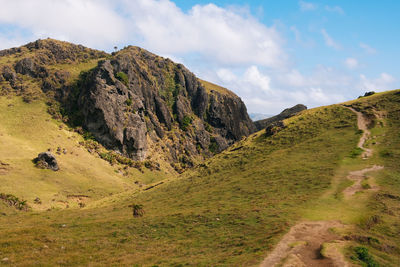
column 213, row 87
column 229, row 211
column 25, row 131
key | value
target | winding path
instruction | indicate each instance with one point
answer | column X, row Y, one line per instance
column 302, row 245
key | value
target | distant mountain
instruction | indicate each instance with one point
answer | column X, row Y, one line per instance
column 286, row 113
column 259, row 116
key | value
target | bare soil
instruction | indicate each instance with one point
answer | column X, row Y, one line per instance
column 362, row 123
column 357, row 177
column 302, row 245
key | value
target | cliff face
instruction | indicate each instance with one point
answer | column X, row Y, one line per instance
column 136, row 98
column 134, row 102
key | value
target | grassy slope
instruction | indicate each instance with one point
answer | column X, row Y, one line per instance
column 379, row 226
column 26, row 130
column 230, row 211
column 210, row 87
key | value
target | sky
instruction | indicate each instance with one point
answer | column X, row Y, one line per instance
column 273, row 54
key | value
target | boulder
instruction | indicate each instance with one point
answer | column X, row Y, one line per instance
column 274, row 128
column 46, row 160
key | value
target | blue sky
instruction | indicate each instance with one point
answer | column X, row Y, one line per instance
column 273, row 54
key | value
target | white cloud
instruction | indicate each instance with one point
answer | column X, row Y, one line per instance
column 351, row 63
column 307, row 6
column 367, row 48
column 227, row 36
column 270, row 92
column 329, row 40
column 255, row 78
column 91, row 22
column 335, row 9
column 219, row 34
column 382, row 83
column 293, row 78
column 226, row 75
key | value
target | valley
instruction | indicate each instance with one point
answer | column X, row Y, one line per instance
column 160, row 168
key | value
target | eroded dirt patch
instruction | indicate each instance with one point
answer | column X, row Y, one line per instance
column 302, row 245
column 358, row 177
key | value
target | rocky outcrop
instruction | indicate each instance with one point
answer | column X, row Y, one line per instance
column 46, row 160
column 137, row 94
column 133, row 102
column 286, row 113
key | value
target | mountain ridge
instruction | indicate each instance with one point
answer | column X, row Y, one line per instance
column 130, row 101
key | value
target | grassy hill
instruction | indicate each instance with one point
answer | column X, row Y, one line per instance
column 230, row 210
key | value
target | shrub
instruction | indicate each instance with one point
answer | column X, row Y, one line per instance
column 14, row 201
column 385, row 153
column 363, row 255
column 213, row 147
column 137, row 210
column 122, row 77
column 128, row 102
column 186, row 121
column 356, row 152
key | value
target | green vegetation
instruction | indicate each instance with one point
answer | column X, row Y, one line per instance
column 228, row 211
column 363, row 255
column 129, row 102
column 14, row 201
column 26, row 129
column 137, row 210
column 122, row 77
column 213, row 147
column 356, row 152
column 186, row 122
column 216, row 88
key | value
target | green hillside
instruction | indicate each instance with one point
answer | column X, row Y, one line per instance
column 231, row 210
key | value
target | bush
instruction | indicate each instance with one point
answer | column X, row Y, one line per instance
column 137, row 210
column 356, row 152
column 363, row 255
column 213, row 147
column 122, row 77
column 14, row 201
column 128, row 102
column 385, row 153
column 186, row 121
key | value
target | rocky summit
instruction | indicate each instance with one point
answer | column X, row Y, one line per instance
column 136, row 99
column 133, row 102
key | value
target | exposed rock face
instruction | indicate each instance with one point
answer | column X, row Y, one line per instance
column 39, row 55
column 46, row 160
column 286, row 113
column 274, row 128
column 157, row 94
column 133, row 102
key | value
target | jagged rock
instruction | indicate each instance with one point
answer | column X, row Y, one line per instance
column 182, row 108
column 46, row 160
column 274, row 128
column 286, row 113
column 162, row 96
column 9, row 75
column 134, row 101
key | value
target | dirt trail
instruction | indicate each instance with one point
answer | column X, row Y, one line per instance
column 303, row 244
column 362, row 124
column 357, row 177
